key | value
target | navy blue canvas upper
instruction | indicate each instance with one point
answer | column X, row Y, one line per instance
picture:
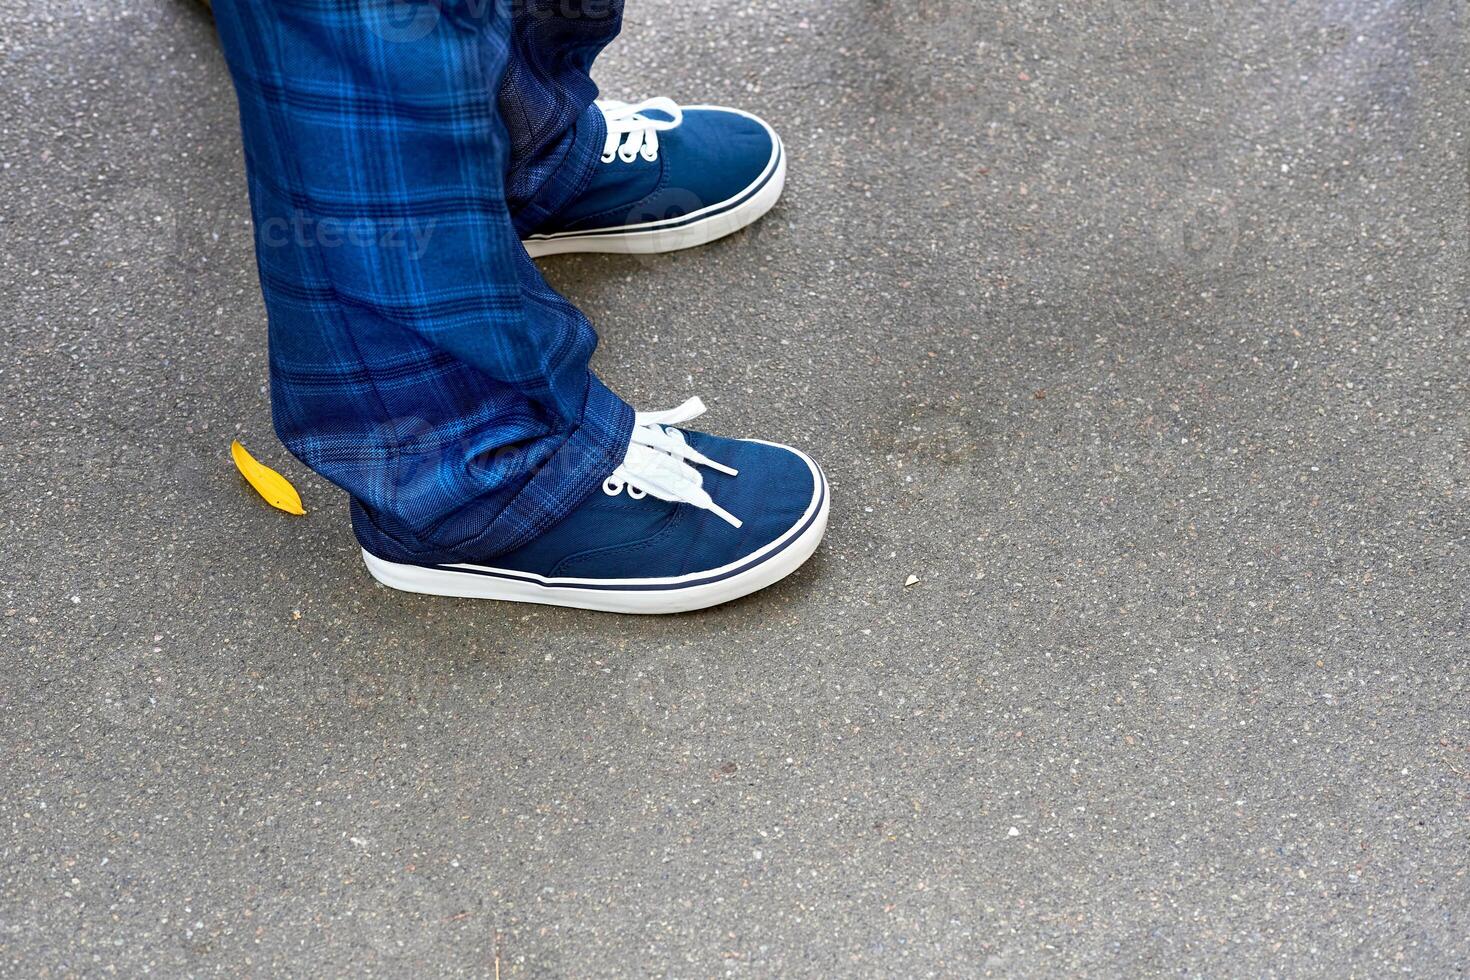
column 622, row 537
column 712, row 156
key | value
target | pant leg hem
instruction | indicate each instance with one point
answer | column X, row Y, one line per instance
column 567, row 182
column 591, row 450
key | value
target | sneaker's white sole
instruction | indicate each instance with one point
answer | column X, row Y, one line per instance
column 685, row 231
column 644, row 595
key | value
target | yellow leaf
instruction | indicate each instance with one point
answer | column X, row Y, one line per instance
column 274, row 487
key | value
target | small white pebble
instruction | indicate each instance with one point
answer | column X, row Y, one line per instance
column 1013, row 832
column 911, row 580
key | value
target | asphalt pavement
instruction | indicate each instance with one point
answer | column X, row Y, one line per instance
column 1137, row 332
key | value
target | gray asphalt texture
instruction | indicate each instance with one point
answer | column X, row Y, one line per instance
column 1137, row 331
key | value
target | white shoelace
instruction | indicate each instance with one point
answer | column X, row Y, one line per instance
column 631, row 134
column 658, row 462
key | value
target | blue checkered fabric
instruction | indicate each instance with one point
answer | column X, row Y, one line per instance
column 546, row 102
column 418, row 359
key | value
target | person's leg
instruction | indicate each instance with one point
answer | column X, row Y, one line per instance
column 418, row 359
column 546, row 101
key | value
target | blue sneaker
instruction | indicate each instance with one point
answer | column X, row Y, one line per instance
column 671, row 177
column 687, row 520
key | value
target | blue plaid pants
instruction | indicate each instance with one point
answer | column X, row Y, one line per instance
column 418, row 360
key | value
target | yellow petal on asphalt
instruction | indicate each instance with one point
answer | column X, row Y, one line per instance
column 274, row 487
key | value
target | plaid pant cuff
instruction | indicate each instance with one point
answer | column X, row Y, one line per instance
column 570, row 178
column 591, row 451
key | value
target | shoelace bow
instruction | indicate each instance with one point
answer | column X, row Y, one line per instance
column 631, row 134
column 658, row 462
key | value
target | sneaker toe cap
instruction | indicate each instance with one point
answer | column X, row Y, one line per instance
column 775, row 491
column 717, row 155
